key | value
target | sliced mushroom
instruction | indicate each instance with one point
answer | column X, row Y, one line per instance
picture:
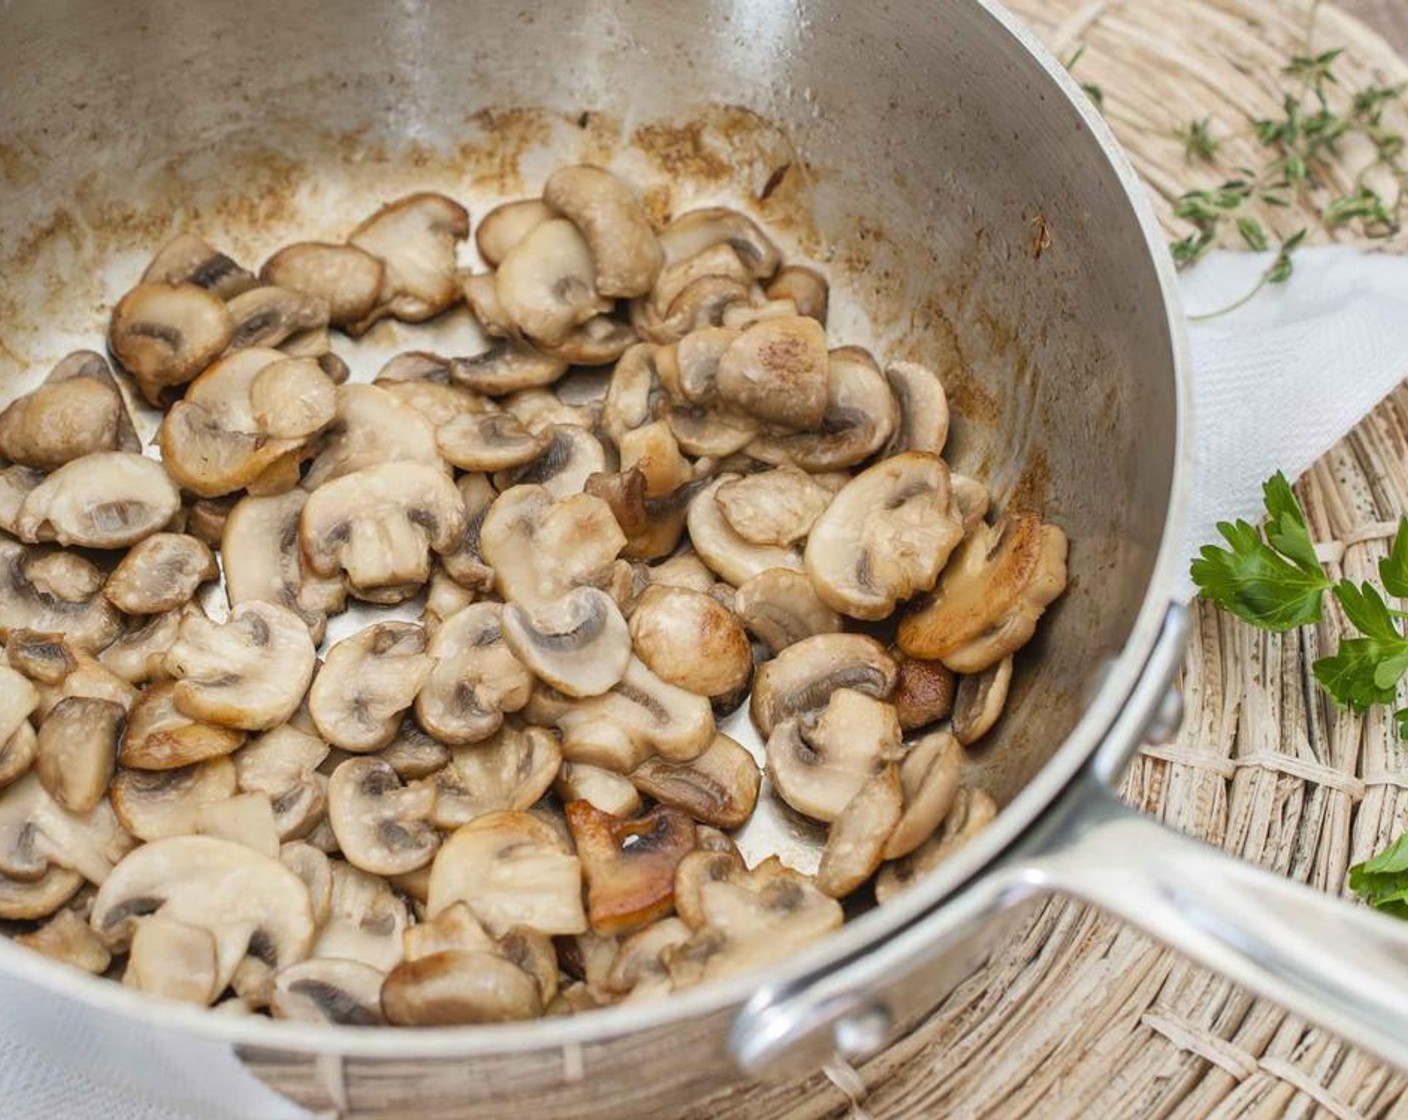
column 580, row 644
column 381, row 825
column 415, row 238
column 16, row 484
column 160, row 574
column 683, row 569
column 159, row 737
column 165, row 334
column 993, row 591
column 546, row 282
column 18, row 744
column 249, row 672
column 693, row 294
column 780, row 608
column 802, row 677
column 511, row 770
column 253, row 906
column 366, row 682
column 379, row 525
column 481, row 294
column 29, row 899
column 211, row 460
column 506, row 225
column 731, row 556
column 627, row 254
column 972, row 499
column 459, row 986
column 345, row 277
column 697, row 230
column 370, row 427
column 490, row 441
column 249, row 820
column 540, row 548
column 857, row 838
column 366, row 920
column 110, row 499
column 629, row 865
column 64, row 419
column 508, row 366
column 860, row 416
column 777, row 371
column 923, row 409
column 777, row 507
column 77, row 750
column 414, row 753
column 973, row 810
column 818, row 763
column 155, row 804
column 17, row 753
column 36, row 832
column 186, row 259
column 174, row 960
column 598, row 342
column 282, row 764
column 720, row 787
column 572, row 455
column 639, row 969
column 924, row 691
column 443, row 598
column 293, row 399
column 474, row 680
column 512, row 869
column 69, row 939
column 344, row 992
column 979, row 701
column 541, row 408
column 315, row 869
column 206, row 517
column 652, row 526
column 808, row 291
column 884, row 537
column 929, row 775
column 421, row 380
column 691, row 640
column 269, row 316
column 138, row 654
column 607, row 790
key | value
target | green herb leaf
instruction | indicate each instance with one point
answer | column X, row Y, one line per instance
column 1382, row 880
column 1393, row 568
column 1352, row 674
column 1198, row 141
column 1253, row 234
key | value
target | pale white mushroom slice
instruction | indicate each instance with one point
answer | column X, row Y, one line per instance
column 155, row 804
column 580, row 644
column 328, row 990
column 458, row 986
column 693, row 294
column 68, row 938
column 269, row 316
column 18, row 700
column 282, row 764
column 72, row 414
column 609, row 791
column 571, row 456
column 691, row 640
column 253, row 906
column 808, row 291
column 506, row 225
column 510, row 365
column 444, row 597
column 414, row 753
column 542, row 408
column 249, row 672
column 629, row 865
column 626, row 252
column 856, row 841
column 187, row 259
column 720, row 546
column 540, row 549
column 160, row 574
column 923, row 409
column 347, row 278
column 599, row 341
column 683, row 569
column 367, row 681
column 313, row 866
column 380, row 524
column 160, row 737
column 546, row 283
column 719, row 788
column 475, row 677
column 206, row 517
column 110, row 499
column 780, row 607
column 165, row 334
column 993, row 591
column 511, row 770
column 292, row 398
column 371, row 427
column 366, row 920
column 382, row 825
column 174, row 960
column 246, row 819
column 262, row 561
column 36, row 832
column 512, row 869
column 415, row 239
column 979, row 700
column 77, row 750
column 884, row 538
column 818, row 763
column 490, row 441
column 924, row 691
column 653, row 450
column 973, row 810
column 25, row 900
column 16, row 484
column 929, row 775
column 638, row 970
column 777, row 372
column 776, row 507
column 423, row 381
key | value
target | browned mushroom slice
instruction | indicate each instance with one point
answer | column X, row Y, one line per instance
column 415, row 238
column 512, row 869
column 211, row 460
column 490, row 441
column 30, row 899
column 344, row 992
column 720, row 787
column 923, row 409
column 546, row 283
column 607, row 790
column 806, row 288
column 777, row 507
column 155, row 804
column 924, row 691
column 506, row 225
column 627, row 254
column 580, row 645
column 884, row 537
column 381, row 825
column 629, row 865
column 345, row 277
column 67, row 938
column 37, row 595
column 366, row 682
column 697, row 230
column 508, row 366
column 158, row 737
column 973, row 810
column 540, row 548
column 65, row 419
column 455, row 927
column 652, row 526
column 780, row 608
column 165, row 334
column 282, row 764
column 691, row 640
column 474, row 680
column 511, row 770
column 160, row 573
column 36, row 832
column 653, row 450
column 993, row 591
column 856, row 841
column 186, row 259
column 979, row 701
column 776, row 371
column 269, row 316
column 802, row 677
column 110, row 499
column 78, row 749
column 206, row 517
column 929, row 776
column 731, row 556
column 371, row 427
column 379, row 525
column 459, row 986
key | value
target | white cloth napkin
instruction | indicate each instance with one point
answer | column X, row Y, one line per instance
column 1275, row 384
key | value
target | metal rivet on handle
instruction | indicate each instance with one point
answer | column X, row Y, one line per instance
column 863, row 1032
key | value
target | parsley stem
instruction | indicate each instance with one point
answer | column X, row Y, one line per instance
column 1206, row 316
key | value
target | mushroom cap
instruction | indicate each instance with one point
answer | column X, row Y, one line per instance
column 186, row 259
column 803, row 676
column 512, row 869
column 572, row 455
column 490, row 441
column 36, row 832
column 721, row 547
column 580, row 644
column 156, row 804
column 328, row 990
column 884, row 537
column 691, row 640
column 160, row 573
column 415, row 238
column 506, row 225
column 973, row 810
column 138, row 654
column 269, row 316
column 697, row 230
column 379, row 524
column 780, row 608
column 110, row 499
column 857, row 839
column 381, row 825
column 546, row 283
column 475, row 677
column 292, row 398
column 282, row 764
column 370, row 427
column 979, row 701
column 929, row 775
column 776, row 507
column 67, row 938
column 609, row 791
column 61, row 421
column 345, row 277
column 998, row 583
column 627, row 254
column 459, row 986
column 806, row 288
column 511, row 770
column 250, row 904
column 540, row 548
column 924, row 691
column 366, row 682
column 160, row 737
column 77, row 750
column 508, row 366
column 923, row 409
column 777, row 371
column 165, row 334
column 249, row 672
column 24, row 900
column 629, row 865
column 366, row 920
column 720, row 787
column 70, row 605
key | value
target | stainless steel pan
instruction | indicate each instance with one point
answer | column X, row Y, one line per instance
column 920, row 149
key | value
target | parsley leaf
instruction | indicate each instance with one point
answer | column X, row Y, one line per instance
column 1393, row 568
column 1382, row 881
column 1365, row 671
column 1277, row 583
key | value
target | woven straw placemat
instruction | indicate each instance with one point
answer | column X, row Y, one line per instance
column 1077, row 1016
